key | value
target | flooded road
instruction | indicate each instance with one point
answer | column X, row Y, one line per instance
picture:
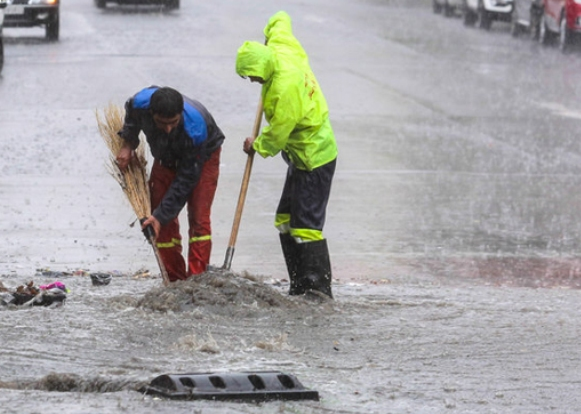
column 396, row 347
column 453, row 223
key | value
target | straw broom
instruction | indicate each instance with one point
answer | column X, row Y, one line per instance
column 133, row 180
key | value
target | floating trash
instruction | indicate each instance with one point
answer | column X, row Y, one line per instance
column 101, row 279
column 30, row 295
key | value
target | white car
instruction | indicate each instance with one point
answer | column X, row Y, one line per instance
column 2, row 7
column 483, row 12
column 33, row 13
column 447, row 7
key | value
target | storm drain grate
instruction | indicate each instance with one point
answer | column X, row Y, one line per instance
column 244, row 386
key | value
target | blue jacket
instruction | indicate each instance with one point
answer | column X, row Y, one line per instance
column 187, row 148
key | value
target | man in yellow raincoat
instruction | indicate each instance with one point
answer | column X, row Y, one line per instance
column 299, row 128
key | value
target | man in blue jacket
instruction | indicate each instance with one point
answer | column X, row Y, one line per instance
column 185, row 143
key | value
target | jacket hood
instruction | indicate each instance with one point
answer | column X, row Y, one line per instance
column 255, row 59
column 282, row 20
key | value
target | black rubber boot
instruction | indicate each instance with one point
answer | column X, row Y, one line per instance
column 290, row 252
column 314, row 269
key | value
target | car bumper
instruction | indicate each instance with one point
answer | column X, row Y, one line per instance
column 499, row 6
column 15, row 16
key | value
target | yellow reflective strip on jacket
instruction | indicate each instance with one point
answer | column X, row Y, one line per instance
column 200, row 238
column 168, row 245
column 282, row 222
column 307, row 234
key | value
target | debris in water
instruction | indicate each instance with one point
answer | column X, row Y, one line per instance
column 141, row 274
column 191, row 342
column 101, row 279
column 278, row 343
column 46, row 272
column 29, row 295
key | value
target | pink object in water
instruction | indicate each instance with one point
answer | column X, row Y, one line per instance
column 57, row 284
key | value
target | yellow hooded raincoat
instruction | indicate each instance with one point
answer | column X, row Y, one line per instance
column 294, row 105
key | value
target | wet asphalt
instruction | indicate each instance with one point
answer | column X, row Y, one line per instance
column 456, row 145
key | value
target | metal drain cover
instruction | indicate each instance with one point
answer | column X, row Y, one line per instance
column 244, row 386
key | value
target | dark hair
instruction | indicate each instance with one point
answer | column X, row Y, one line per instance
column 167, row 102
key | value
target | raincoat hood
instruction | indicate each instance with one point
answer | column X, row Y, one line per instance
column 281, row 20
column 255, row 59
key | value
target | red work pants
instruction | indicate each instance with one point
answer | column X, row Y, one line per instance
column 199, row 205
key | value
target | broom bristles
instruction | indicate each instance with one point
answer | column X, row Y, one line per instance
column 133, row 180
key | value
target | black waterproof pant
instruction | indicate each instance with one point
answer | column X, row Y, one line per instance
column 305, row 196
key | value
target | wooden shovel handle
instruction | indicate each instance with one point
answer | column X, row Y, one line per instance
column 243, row 191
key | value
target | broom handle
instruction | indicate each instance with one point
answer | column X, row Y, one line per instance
column 150, row 236
column 243, row 190
column 162, row 269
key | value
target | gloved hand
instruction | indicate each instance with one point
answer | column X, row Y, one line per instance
column 148, row 231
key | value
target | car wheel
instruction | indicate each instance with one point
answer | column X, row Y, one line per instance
column 515, row 27
column 544, row 34
column 448, row 11
column 172, row 4
column 468, row 17
column 565, row 35
column 101, row 4
column 535, row 25
column 483, row 20
column 436, row 7
column 53, row 27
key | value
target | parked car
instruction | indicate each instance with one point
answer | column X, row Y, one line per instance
column 560, row 18
column 526, row 16
column 483, row 12
column 31, row 13
column 447, row 7
column 2, row 7
column 168, row 4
